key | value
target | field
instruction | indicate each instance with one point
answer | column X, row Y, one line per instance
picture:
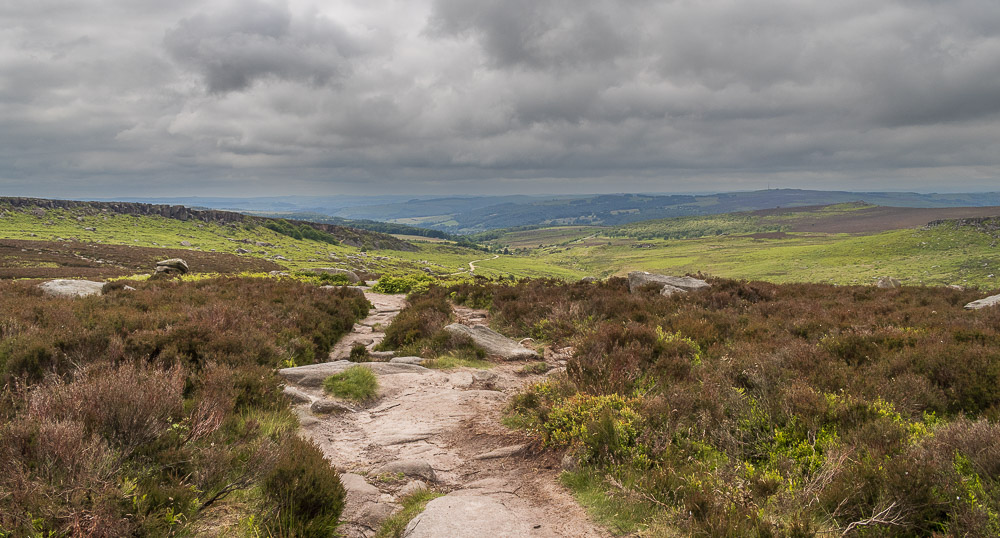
column 842, row 244
column 795, row 245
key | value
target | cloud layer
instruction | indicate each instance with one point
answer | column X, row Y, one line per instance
column 126, row 97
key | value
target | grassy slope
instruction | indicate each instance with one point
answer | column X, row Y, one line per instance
column 929, row 256
column 921, row 256
column 149, row 231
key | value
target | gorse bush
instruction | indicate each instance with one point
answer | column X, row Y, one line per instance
column 752, row 409
column 140, row 412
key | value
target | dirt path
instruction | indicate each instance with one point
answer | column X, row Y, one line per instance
column 472, row 265
column 443, row 429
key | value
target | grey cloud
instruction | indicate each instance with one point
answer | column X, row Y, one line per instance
column 248, row 41
column 498, row 94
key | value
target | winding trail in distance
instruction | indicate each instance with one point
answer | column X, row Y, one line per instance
column 472, row 264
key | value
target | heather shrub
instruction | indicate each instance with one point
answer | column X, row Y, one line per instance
column 304, row 493
column 752, row 409
column 135, row 413
column 424, row 316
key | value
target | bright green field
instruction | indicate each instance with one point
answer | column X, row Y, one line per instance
column 926, row 256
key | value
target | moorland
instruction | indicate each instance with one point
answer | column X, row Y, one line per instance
column 790, row 398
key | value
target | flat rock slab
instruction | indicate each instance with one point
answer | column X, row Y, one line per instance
column 493, row 342
column 407, row 360
column 466, row 515
column 71, row 288
column 992, row 300
column 638, row 279
column 312, row 376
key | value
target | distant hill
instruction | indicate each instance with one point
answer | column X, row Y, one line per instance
column 294, row 228
column 471, row 215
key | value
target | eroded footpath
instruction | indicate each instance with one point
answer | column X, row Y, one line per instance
column 439, row 429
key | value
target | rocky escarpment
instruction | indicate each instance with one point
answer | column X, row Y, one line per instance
column 349, row 236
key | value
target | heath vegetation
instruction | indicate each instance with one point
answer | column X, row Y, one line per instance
column 755, row 409
column 142, row 411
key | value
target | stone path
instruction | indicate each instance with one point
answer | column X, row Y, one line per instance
column 440, row 429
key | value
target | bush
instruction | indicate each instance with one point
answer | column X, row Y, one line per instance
column 401, row 284
column 304, row 492
column 355, row 383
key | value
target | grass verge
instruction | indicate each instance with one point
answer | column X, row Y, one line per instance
column 457, row 360
column 413, row 504
column 622, row 514
column 355, row 383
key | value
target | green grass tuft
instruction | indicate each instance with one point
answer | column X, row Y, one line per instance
column 355, row 383
column 457, row 360
column 413, row 504
column 607, row 505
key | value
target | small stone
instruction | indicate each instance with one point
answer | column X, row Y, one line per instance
column 412, row 486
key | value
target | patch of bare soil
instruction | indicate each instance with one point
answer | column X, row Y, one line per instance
column 443, row 428
column 56, row 259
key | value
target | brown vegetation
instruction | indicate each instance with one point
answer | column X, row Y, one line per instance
column 752, row 409
column 52, row 259
column 137, row 412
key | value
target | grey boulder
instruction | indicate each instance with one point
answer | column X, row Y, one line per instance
column 71, row 288
column 411, row 468
column 493, row 342
column 638, row 279
column 887, row 282
column 992, row 300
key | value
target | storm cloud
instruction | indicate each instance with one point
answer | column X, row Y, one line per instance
column 126, row 97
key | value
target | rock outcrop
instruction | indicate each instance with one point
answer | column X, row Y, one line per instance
column 492, row 342
column 678, row 284
column 887, row 282
column 171, row 267
column 992, row 300
column 71, row 288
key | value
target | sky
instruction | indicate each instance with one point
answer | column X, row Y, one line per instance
column 104, row 98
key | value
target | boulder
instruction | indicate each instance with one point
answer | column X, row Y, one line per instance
column 992, row 300
column 185, row 243
column 365, row 507
column 412, row 486
column 667, row 290
column 588, row 279
column 312, row 376
column 484, row 378
column 493, row 342
column 888, row 282
column 411, row 468
column 352, row 277
column 638, row 279
column 176, row 265
column 71, row 288
column 463, row 514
